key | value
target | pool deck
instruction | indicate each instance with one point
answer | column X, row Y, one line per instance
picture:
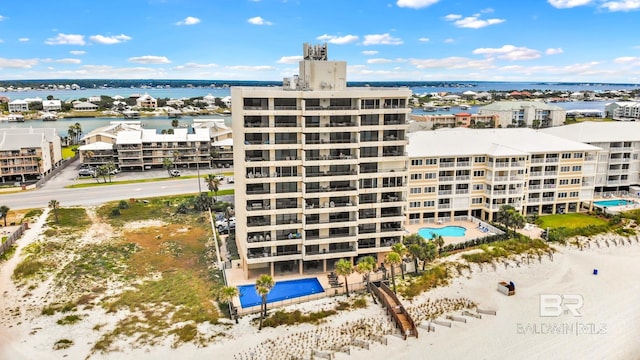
column 472, row 231
column 633, row 204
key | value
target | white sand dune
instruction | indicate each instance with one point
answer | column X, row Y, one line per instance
column 611, row 309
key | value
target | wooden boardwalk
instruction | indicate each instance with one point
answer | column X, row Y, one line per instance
column 394, row 307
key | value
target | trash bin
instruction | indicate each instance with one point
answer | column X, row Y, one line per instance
column 595, row 271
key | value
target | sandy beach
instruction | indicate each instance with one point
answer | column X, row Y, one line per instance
column 607, row 328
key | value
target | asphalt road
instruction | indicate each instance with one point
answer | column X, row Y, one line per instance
column 55, row 189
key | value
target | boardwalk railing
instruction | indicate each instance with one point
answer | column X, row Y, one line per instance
column 382, row 291
column 413, row 329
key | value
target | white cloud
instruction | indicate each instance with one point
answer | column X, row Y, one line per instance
column 1, row 41
column 150, row 59
column 66, row 39
column 486, row 11
column 623, row 5
column 192, row 65
column 566, row 4
column 77, row 52
column 369, row 52
column 23, row 39
column 415, row 4
column 68, row 61
column 339, row 40
column 452, row 63
column 381, row 39
column 449, row 41
column 424, row 39
column 628, row 60
column 258, row 21
column 379, row 61
column 474, row 22
column 2, row 17
column 290, row 59
column 251, row 68
column 109, row 40
column 17, row 63
column 509, row 52
column 189, row 20
column 553, row 51
column 452, row 17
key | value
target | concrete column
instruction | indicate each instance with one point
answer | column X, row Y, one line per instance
column 300, row 266
column 272, row 266
column 324, row 265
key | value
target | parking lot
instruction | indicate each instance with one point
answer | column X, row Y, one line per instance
column 70, row 175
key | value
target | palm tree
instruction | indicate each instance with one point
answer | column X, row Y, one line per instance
column 401, row 250
column 429, row 253
column 416, row 253
column 175, row 123
column 78, row 132
column 176, row 157
column 213, row 183
column 344, row 268
column 365, row 266
column 439, row 241
column 393, row 259
column 54, row 205
column 4, row 211
column 71, row 134
column 227, row 294
column 167, row 164
column 264, row 284
column 510, row 217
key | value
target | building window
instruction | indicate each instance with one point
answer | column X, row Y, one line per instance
column 416, row 162
column 564, row 168
column 564, row 181
column 429, row 175
column 478, row 186
column 562, row 195
column 478, row 173
column 578, row 155
column 416, row 176
column 566, row 155
column 479, row 159
column 429, row 189
column 576, row 168
column 429, row 203
column 414, row 204
column 575, row 181
column 431, row 161
column 573, row 194
column 415, row 190
column 476, row 200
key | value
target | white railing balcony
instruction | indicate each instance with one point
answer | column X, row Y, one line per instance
column 550, row 173
column 500, row 178
column 445, row 178
column 447, row 164
column 533, row 200
column 462, row 178
column 537, row 161
column 445, row 192
column 463, row 163
column 551, row 160
column 535, row 187
column 501, row 164
column 547, row 199
column 444, row 206
column 549, row 186
column 535, row 173
column 462, row 191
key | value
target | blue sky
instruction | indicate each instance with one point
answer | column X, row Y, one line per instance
column 418, row 40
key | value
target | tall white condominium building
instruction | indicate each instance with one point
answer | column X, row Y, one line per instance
column 321, row 169
column 465, row 172
column 618, row 167
column 535, row 114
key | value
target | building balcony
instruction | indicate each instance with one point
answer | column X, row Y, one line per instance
column 253, row 258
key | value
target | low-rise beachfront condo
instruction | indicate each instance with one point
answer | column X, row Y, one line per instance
column 473, row 172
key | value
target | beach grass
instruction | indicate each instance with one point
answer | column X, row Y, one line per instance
column 434, row 276
column 573, row 220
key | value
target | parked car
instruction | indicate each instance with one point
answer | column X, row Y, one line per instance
column 230, row 180
column 174, row 173
column 115, row 171
column 223, row 225
column 87, row 172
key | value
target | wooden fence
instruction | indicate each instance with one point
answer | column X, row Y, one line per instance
column 11, row 238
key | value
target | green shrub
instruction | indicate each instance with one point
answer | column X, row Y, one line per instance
column 115, row 212
column 123, row 204
column 69, row 320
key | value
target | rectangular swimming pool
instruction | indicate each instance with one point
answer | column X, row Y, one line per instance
column 610, row 203
column 282, row 290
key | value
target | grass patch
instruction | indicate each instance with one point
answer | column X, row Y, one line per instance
column 68, row 151
column 75, row 218
column 62, row 344
column 282, row 317
column 69, row 320
column 56, row 307
column 31, row 215
column 27, row 268
column 434, row 276
column 572, row 220
column 8, row 254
